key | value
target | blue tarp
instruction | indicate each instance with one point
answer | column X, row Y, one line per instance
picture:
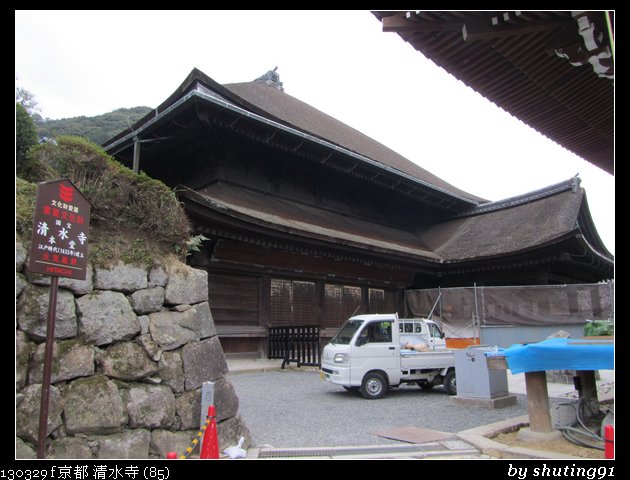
column 561, row 354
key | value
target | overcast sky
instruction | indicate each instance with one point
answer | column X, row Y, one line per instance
column 92, row 62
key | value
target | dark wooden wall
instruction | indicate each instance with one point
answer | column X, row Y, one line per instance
column 243, row 306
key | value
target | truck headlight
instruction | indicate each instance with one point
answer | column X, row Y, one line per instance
column 341, row 358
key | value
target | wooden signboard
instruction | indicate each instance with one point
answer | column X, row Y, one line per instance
column 59, row 248
column 59, row 245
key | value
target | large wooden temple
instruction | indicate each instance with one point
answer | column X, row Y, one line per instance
column 309, row 220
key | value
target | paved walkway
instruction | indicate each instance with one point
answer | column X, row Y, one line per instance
column 465, row 447
column 516, row 383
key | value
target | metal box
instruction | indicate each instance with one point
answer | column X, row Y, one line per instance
column 207, row 399
column 474, row 378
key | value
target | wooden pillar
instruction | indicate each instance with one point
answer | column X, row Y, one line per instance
column 596, row 303
column 264, row 302
column 538, row 402
column 136, row 155
column 365, row 301
column 320, row 301
column 572, row 297
column 587, row 382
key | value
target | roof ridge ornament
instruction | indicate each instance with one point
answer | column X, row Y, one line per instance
column 271, row 78
column 576, row 182
column 572, row 184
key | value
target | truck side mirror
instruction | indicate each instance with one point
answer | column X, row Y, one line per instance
column 360, row 341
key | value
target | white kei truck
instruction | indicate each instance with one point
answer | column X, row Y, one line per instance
column 373, row 353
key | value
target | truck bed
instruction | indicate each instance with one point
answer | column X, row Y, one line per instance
column 411, row 359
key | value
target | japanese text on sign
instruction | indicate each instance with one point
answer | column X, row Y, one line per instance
column 60, row 231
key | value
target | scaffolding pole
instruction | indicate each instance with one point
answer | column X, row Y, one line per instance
column 476, row 325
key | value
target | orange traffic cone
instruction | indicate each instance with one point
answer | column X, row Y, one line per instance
column 210, row 443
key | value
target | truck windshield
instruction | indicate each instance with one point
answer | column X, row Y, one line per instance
column 346, row 332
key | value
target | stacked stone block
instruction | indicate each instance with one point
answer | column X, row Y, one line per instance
column 133, row 345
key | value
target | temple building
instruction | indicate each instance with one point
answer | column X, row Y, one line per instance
column 310, row 221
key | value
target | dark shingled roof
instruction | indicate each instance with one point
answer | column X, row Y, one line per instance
column 304, row 220
column 272, row 104
column 508, row 230
column 477, row 230
column 293, row 112
column 507, row 227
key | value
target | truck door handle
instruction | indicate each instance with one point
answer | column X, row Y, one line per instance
column 392, row 348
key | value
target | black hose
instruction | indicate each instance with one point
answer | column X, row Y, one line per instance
column 569, row 432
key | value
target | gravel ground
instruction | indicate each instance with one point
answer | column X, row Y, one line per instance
column 295, row 408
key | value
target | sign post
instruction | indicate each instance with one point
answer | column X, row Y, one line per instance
column 59, row 247
column 48, row 357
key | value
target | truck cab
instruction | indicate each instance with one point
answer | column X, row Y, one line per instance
column 372, row 353
column 412, row 330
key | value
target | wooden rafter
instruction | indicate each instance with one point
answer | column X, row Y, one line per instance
column 402, row 24
column 484, row 29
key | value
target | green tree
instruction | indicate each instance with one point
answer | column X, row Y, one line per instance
column 98, row 129
column 27, row 100
column 25, row 135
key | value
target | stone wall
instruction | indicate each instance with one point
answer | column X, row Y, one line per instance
column 132, row 349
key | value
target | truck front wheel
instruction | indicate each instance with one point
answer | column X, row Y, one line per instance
column 450, row 383
column 373, row 386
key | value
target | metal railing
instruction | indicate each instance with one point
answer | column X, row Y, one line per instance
column 299, row 344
